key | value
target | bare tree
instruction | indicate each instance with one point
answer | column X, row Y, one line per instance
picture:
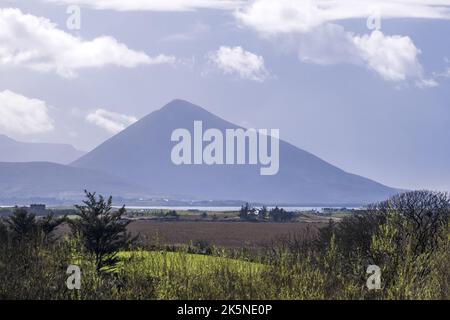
column 426, row 211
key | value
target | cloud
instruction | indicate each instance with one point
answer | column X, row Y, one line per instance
column 36, row 43
column 393, row 58
column 320, row 40
column 446, row 72
column 22, row 115
column 110, row 121
column 285, row 16
column 197, row 30
column 237, row 61
column 153, row 5
column 326, row 45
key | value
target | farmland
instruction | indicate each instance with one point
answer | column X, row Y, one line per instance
column 217, row 228
column 223, row 234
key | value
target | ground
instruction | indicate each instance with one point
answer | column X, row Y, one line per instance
column 223, row 234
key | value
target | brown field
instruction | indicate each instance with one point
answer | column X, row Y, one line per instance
column 224, row 234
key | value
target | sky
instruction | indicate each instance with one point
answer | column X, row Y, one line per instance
column 362, row 84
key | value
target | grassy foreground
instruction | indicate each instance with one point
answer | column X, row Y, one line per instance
column 406, row 239
column 284, row 271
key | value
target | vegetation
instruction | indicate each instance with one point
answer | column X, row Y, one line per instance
column 101, row 231
column 249, row 213
column 281, row 215
column 407, row 236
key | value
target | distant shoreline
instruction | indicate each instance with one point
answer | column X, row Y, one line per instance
column 212, row 208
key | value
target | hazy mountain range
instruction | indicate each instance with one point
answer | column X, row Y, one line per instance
column 15, row 151
column 136, row 163
column 32, row 180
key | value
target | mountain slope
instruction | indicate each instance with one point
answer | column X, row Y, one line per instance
column 50, row 180
column 15, row 151
column 142, row 154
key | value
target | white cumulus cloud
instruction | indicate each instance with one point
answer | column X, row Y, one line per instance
column 110, row 121
column 22, row 115
column 36, row 43
column 394, row 58
column 237, row 61
column 284, row 16
column 153, row 5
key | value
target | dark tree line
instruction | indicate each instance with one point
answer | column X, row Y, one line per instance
column 249, row 213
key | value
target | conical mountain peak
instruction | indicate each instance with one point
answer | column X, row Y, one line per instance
column 179, row 105
column 142, row 153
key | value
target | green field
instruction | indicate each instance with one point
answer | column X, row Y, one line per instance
column 155, row 263
column 180, row 275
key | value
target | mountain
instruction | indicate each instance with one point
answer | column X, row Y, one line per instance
column 55, row 181
column 15, row 151
column 142, row 154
